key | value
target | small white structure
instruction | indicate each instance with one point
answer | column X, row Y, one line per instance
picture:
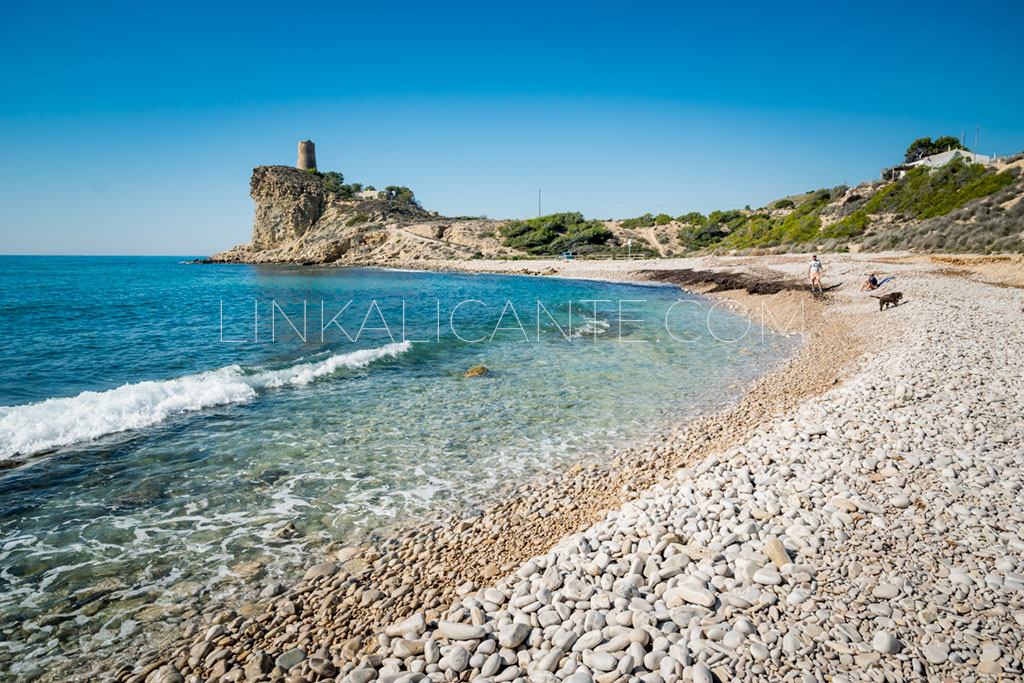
column 943, row 158
column 935, row 161
column 368, row 194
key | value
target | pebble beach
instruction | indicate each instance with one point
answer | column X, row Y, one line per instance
column 855, row 516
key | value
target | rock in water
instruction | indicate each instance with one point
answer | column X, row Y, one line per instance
column 477, row 371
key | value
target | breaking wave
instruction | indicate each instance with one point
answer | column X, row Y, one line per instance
column 56, row 422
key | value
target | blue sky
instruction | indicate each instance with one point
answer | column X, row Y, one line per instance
column 133, row 129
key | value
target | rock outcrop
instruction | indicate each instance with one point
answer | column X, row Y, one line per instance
column 288, row 203
column 300, row 220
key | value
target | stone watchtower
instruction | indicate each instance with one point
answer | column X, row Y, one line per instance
column 307, row 155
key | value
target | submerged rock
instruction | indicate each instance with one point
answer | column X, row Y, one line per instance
column 477, row 371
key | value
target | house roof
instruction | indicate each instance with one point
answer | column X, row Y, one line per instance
column 943, row 158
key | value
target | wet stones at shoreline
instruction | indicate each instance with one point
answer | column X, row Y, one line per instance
column 861, row 538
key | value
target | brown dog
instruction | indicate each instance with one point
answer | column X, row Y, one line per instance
column 890, row 299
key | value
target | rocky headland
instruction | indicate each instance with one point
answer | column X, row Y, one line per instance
column 298, row 219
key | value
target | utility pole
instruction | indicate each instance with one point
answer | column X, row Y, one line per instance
column 538, row 203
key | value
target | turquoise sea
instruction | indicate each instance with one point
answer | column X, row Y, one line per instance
column 161, row 421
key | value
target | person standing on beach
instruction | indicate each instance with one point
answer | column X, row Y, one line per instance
column 814, row 271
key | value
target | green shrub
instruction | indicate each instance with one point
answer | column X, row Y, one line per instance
column 335, row 182
column 693, row 218
column 784, row 204
column 555, row 233
column 851, row 226
column 645, row 221
column 662, row 219
column 400, row 193
column 818, row 198
column 924, row 147
column 693, row 236
column 926, row 194
column 332, row 180
column 357, row 219
column 730, row 218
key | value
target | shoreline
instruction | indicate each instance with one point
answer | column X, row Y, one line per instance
column 569, row 501
column 433, row 569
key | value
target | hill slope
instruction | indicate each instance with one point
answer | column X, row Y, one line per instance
column 301, row 218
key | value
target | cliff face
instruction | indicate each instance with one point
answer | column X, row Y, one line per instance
column 288, row 203
column 299, row 220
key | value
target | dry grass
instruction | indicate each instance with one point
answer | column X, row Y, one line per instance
column 1000, row 269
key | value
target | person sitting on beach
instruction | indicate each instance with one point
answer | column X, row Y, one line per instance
column 872, row 283
column 814, row 270
column 869, row 284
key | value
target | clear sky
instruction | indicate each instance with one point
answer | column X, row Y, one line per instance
column 133, row 129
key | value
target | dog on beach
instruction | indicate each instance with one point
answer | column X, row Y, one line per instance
column 890, row 299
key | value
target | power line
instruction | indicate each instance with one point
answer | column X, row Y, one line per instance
column 487, row 194
column 576, row 197
column 654, row 204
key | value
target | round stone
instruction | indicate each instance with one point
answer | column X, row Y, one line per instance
column 885, row 643
column 767, row 577
column 603, row 661
column 458, row 659
column 885, row 591
column 701, row 673
column 936, row 653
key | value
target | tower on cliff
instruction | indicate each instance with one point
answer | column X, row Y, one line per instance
column 307, row 155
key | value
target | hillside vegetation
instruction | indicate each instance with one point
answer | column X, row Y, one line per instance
column 316, row 217
column 334, row 182
column 956, row 207
column 562, row 232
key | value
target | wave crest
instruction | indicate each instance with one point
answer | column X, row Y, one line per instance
column 56, row 422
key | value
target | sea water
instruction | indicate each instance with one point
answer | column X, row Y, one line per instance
column 161, row 422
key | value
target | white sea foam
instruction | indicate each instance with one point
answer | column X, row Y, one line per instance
column 591, row 328
column 56, row 422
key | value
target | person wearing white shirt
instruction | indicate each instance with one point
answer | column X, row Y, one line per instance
column 814, row 271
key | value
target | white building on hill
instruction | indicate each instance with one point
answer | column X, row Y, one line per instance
column 934, row 161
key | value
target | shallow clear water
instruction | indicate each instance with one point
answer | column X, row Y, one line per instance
column 152, row 460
